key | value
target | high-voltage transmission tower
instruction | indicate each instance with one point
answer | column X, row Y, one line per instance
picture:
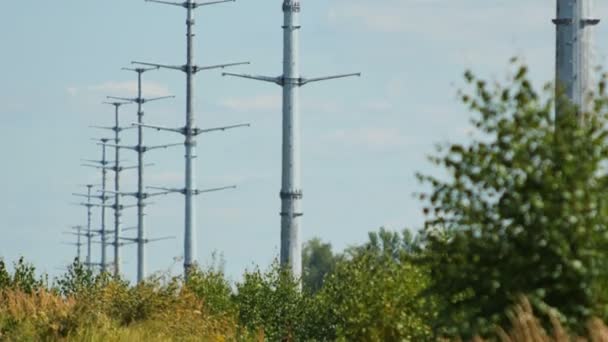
column 79, row 234
column 141, row 240
column 190, row 130
column 117, row 168
column 291, row 188
column 89, row 234
column 102, row 164
column 573, row 52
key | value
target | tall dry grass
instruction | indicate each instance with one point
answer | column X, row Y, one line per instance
column 526, row 327
column 116, row 313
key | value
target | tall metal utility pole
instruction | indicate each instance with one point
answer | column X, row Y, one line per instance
column 291, row 188
column 190, row 131
column 117, row 170
column 141, row 195
column 79, row 234
column 103, row 164
column 89, row 234
column 573, row 52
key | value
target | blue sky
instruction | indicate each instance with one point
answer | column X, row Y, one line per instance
column 364, row 139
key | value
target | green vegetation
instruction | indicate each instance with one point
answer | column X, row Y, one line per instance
column 523, row 211
column 516, row 224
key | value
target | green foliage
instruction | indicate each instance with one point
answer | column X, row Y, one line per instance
column 318, row 260
column 23, row 277
column 271, row 303
column 374, row 294
column 212, row 287
column 77, row 279
column 523, row 209
column 5, row 277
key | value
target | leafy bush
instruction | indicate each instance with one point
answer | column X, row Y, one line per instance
column 523, row 210
column 271, row 305
column 375, row 294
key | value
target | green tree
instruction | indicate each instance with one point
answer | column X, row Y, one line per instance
column 272, row 305
column 522, row 209
column 375, row 294
column 211, row 286
column 318, row 260
column 78, row 278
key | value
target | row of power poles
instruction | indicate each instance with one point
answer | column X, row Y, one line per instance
column 573, row 77
column 291, row 189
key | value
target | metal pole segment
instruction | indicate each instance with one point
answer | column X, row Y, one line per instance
column 117, row 207
column 141, row 149
column 104, row 242
column 141, row 233
column 189, row 131
column 291, row 186
column 89, row 234
column 79, row 242
column 574, row 25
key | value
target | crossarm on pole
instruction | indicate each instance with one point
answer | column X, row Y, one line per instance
column 276, row 80
column 121, row 146
column 142, row 101
column 164, row 66
column 198, row 192
column 218, row 66
column 160, row 128
column 167, row 190
column 326, row 78
column 150, row 148
column 199, row 4
column 187, row 4
column 140, row 69
column 198, row 131
column 180, row 4
column 121, row 193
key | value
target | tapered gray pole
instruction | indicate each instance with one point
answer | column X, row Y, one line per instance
column 573, row 51
column 190, row 144
column 117, row 206
column 89, row 231
column 104, row 198
column 79, row 235
column 291, row 186
column 79, row 244
column 190, row 131
column 141, row 196
column 117, row 211
column 141, row 232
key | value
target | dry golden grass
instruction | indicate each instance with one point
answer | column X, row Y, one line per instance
column 47, row 316
column 525, row 327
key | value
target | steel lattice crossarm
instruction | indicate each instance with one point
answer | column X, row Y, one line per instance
column 291, row 81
